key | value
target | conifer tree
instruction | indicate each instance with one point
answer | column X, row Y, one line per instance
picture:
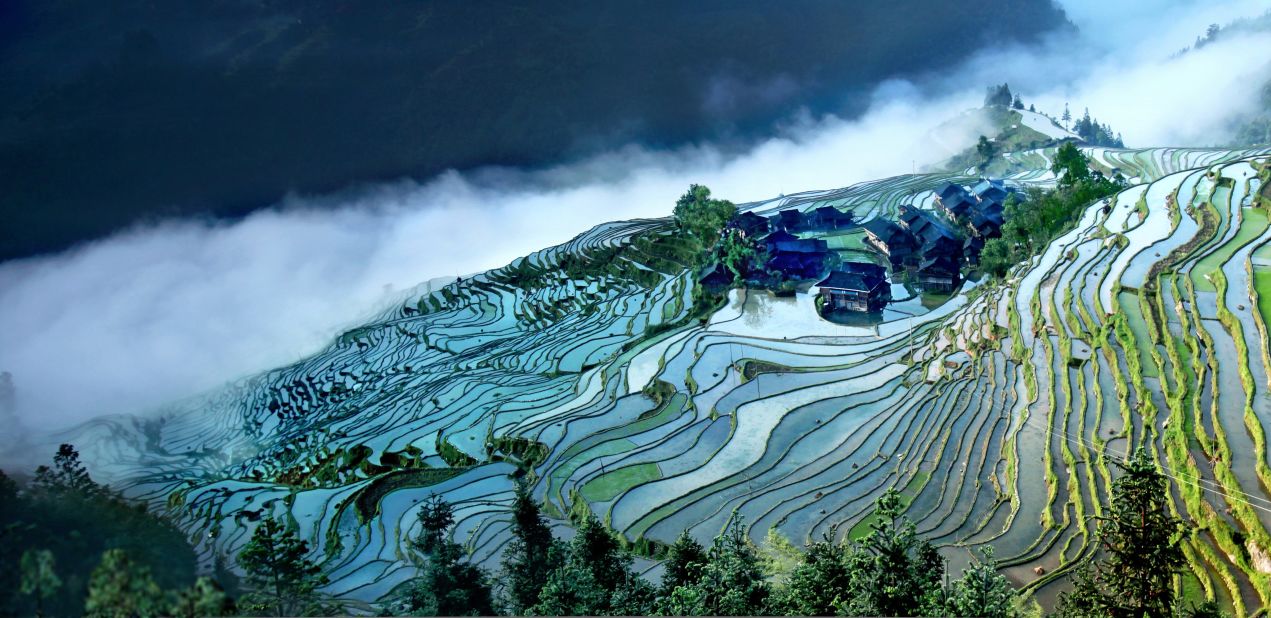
column 1140, row 538
column 595, row 578
column 683, row 564
column 1067, row 117
column 284, row 581
column 529, row 556
column 435, row 519
column 67, row 474
column 39, row 578
column 982, row 591
column 894, row 572
column 450, row 585
column 120, row 588
column 730, row 583
column 204, row 598
column 819, row 585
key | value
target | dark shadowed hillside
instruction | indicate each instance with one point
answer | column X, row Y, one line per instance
column 111, row 112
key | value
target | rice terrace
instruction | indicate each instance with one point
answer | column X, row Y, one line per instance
column 586, row 366
column 710, row 308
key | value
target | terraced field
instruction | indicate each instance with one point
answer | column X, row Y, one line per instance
column 586, row 367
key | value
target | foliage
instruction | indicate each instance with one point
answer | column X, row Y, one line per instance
column 894, row 572
column 1140, row 539
column 529, row 557
column 122, row 588
column 1096, row 134
column 450, row 586
column 702, row 217
column 981, row 591
column 39, row 577
column 819, row 584
column 999, row 95
column 985, row 149
column 683, row 564
column 1032, row 222
column 738, row 252
column 283, row 580
column 64, row 512
column 204, row 598
column 435, row 519
column 729, row 583
column 594, row 578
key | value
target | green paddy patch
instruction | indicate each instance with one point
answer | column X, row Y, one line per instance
column 1262, row 283
column 1129, row 303
column 849, row 241
column 609, row 485
column 1253, row 222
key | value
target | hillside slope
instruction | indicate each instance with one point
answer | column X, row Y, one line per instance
column 589, row 366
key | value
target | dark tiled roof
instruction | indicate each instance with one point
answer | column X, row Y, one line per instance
column 811, row 245
column 885, row 230
column 948, row 190
column 779, row 236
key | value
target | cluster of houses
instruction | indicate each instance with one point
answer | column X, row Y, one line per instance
column 930, row 246
column 933, row 248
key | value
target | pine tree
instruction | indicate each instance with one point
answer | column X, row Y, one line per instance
column 67, row 474
column 120, row 588
column 435, row 519
column 1067, row 117
column 1018, row 103
column 982, row 591
column 894, row 572
column 730, row 582
column 1031, row 108
column 39, row 578
column 594, row 579
column 450, row 585
column 204, row 598
column 529, row 557
column 683, row 564
column 820, row 583
column 284, row 582
column 1139, row 536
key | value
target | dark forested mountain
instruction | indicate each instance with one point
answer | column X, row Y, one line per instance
column 114, row 111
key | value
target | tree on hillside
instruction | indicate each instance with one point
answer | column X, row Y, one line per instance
column 737, row 252
column 1140, row 538
column 594, row 578
column 819, row 585
column 39, row 578
column 449, row 584
column 999, row 95
column 894, row 572
column 121, row 588
column 729, row 583
column 284, row 581
column 435, row 518
column 702, row 217
column 1018, row 103
column 529, row 556
column 1067, row 117
column 1070, row 165
column 986, row 150
column 204, row 598
column 683, row 563
column 981, row 591
column 67, row 474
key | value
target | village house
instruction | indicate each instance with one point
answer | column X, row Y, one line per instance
column 938, row 273
column 751, row 224
column 790, row 220
column 855, row 286
column 796, row 258
column 990, row 190
column 894, row 241
column 827, row 218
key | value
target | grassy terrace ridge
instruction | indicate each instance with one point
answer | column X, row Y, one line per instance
column 602, row 373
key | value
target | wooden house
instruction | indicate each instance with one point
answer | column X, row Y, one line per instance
column 750, row 223
column 938, row 273
column 856, row 286
column 894, row 241
column 829, row 218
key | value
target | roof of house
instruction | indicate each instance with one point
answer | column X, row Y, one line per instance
column 986, row 184
column 806, row 245
column 830, row 213
column 940, row 264
column 719, row 276
column 863, row 268
column 948, row 190
column 958, row 202
column 779, row 236
column 973, row 242
column 886, row 231
column 855, row 282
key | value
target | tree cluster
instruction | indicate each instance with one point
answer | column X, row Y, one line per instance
column 701, row 217
column 1033, row 221
column 1001, row 96
column 1096, row 134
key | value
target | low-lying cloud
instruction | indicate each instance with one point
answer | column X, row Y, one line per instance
column 169, row 310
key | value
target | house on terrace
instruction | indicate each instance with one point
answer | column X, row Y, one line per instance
column 828, row 218
column 894, row 241
column 753, row 225
column 855, row 286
